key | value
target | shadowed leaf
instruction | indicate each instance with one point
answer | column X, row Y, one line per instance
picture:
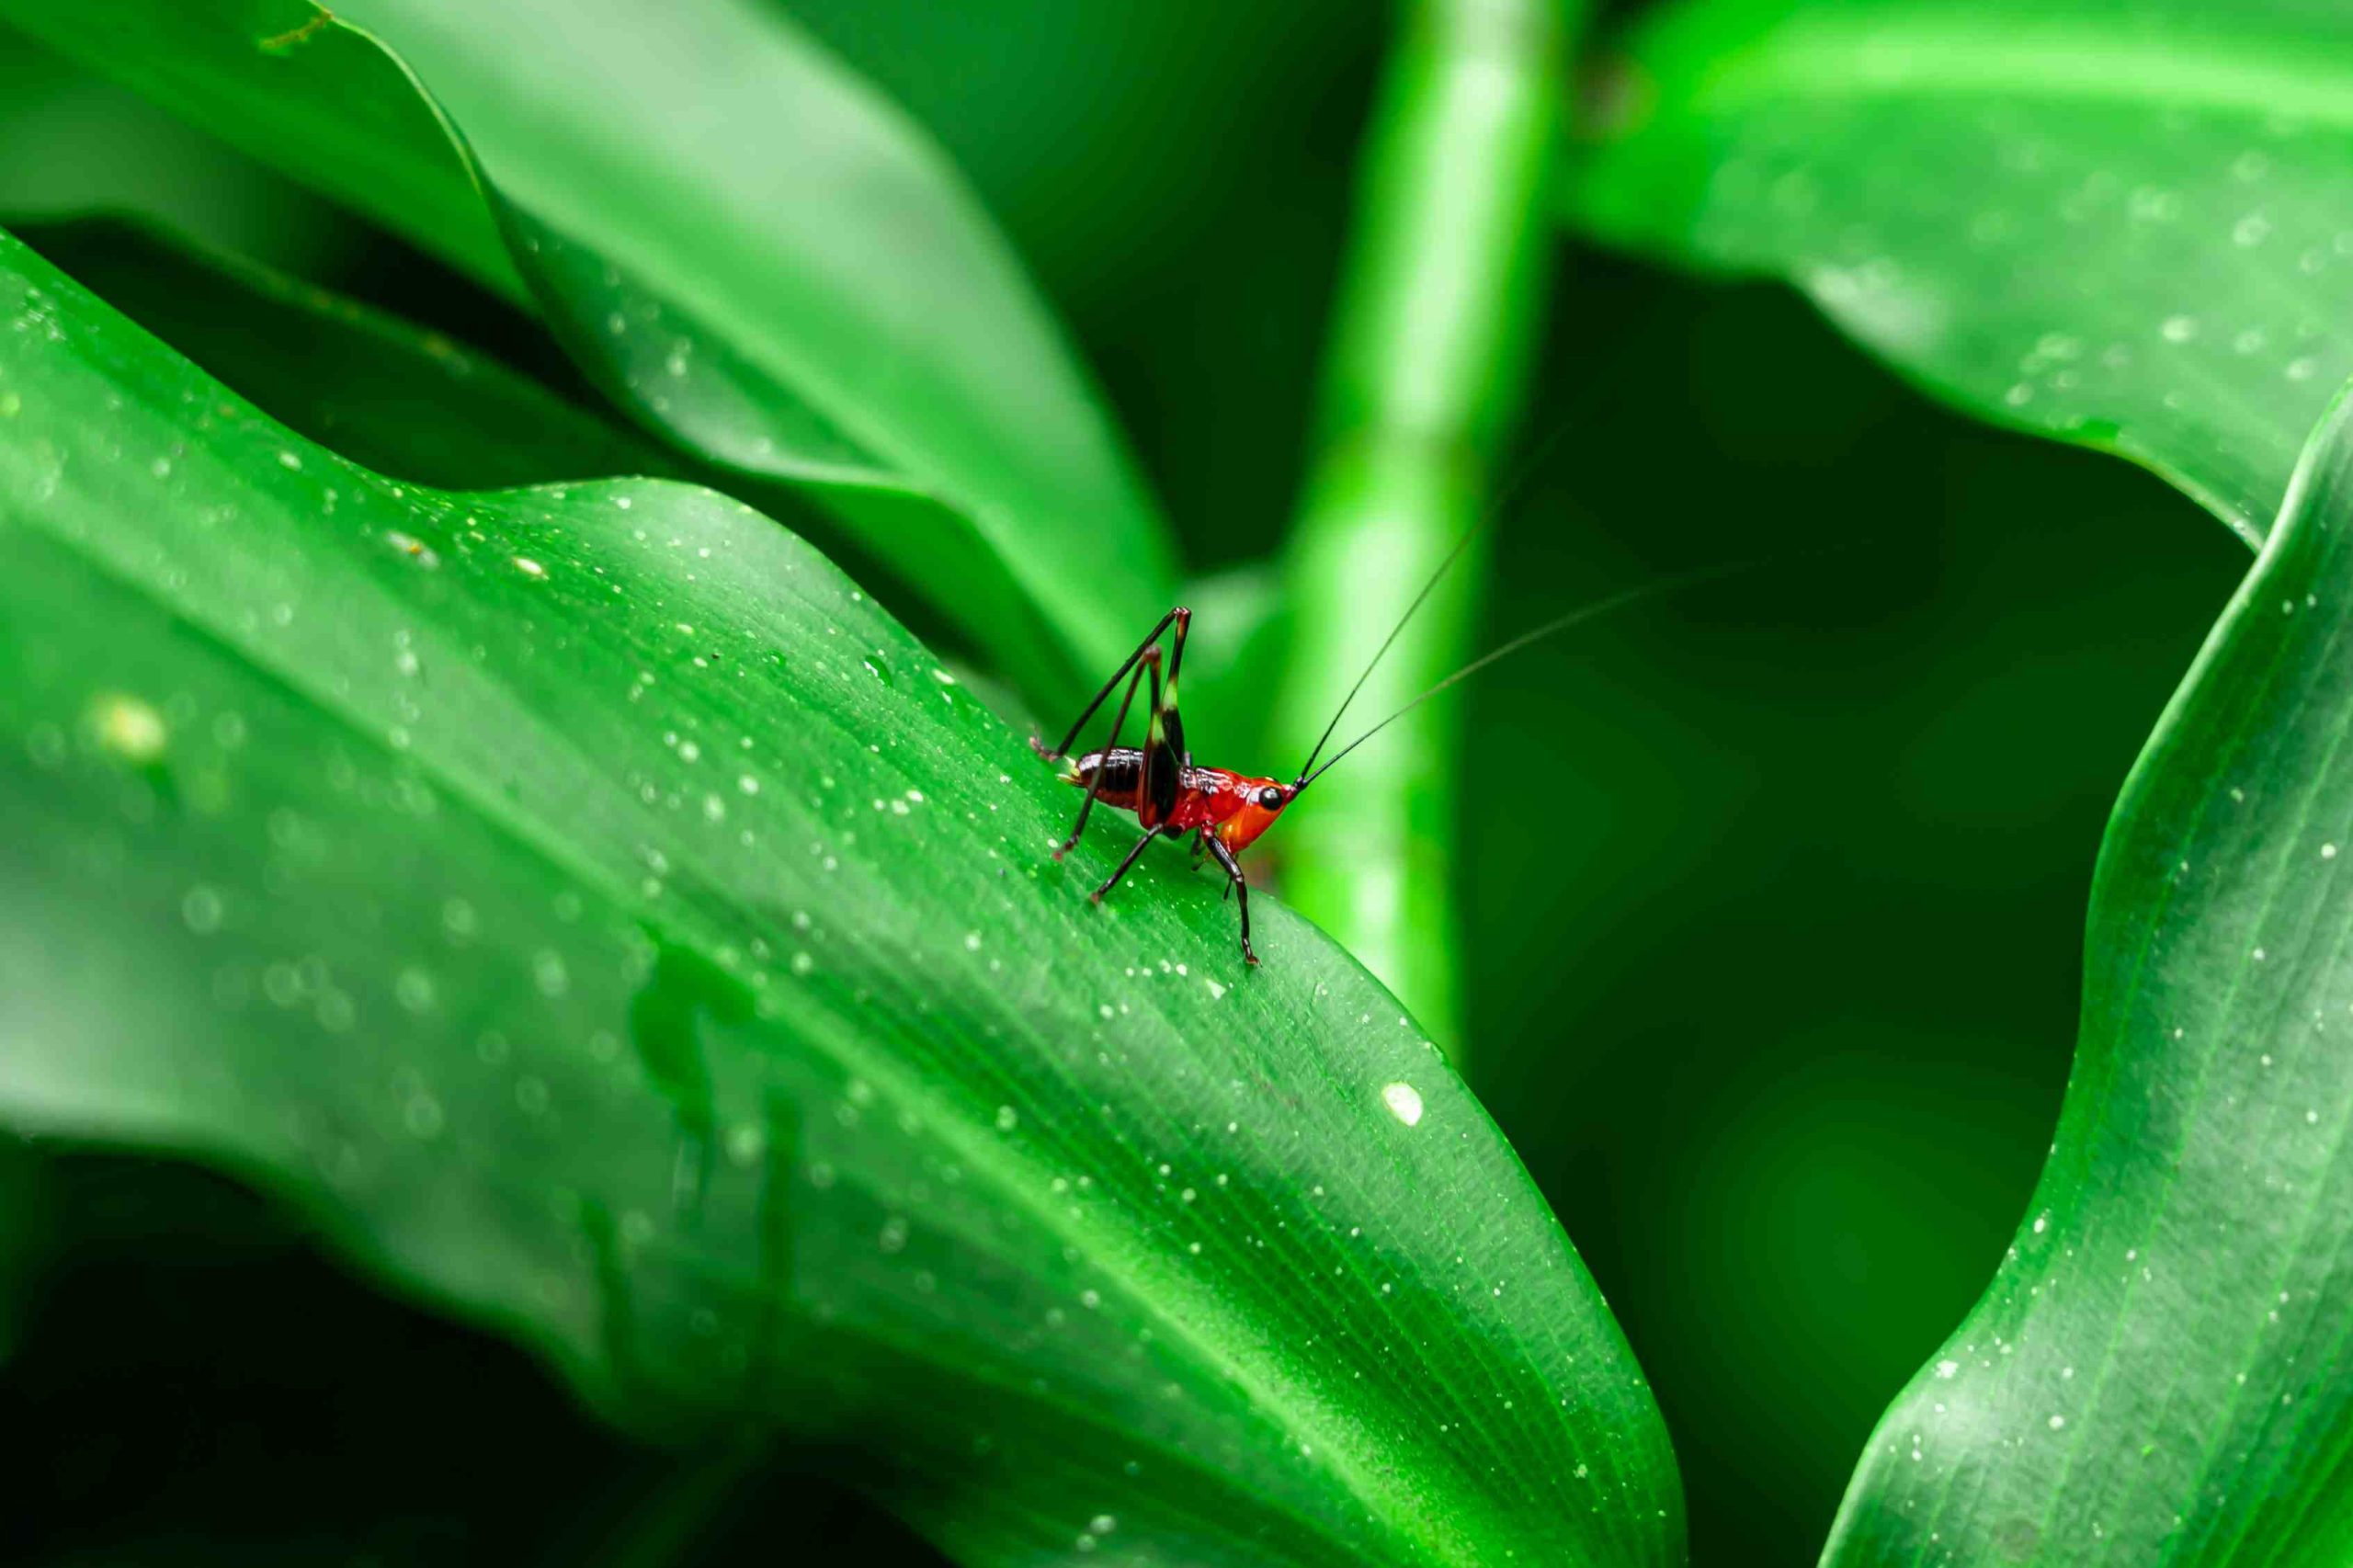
column 393, row 397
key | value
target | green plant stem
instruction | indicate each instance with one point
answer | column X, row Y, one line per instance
column 24, row 1235
column 1437, row 317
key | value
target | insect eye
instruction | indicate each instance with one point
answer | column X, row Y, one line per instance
column 1270, row 798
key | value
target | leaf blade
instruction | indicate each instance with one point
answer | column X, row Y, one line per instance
column 390, row 396
column 2158, row 1370
column 2111, row 225
column 813, row 1107
column 845, row 318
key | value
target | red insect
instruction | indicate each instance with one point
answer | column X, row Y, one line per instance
column 1170, row 796
column 1159, row 782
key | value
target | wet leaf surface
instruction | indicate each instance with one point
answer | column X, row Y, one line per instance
column 603, row 920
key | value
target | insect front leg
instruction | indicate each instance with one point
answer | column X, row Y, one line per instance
column 1133, row 856
column 1240, row 886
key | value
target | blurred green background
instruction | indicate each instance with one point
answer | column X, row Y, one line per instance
column 1775, row 891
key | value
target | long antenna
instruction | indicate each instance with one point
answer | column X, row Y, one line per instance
column 1381, row 653
column 1527, row 468
column 1578, row 617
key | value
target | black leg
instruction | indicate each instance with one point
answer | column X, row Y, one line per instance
column 1171, row 725
column 1240, row 885
column 1160, row 779
column 1156, row 773
column 1201, row 842
column 1133, row 855
column 1180, row 617
column 1150, row 660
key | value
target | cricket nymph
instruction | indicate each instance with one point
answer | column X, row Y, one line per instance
column 1223, row 810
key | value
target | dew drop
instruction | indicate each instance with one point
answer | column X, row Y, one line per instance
column 413, row 989
column 130, row 727
column 422, row 1116
column 201, row 909
column 1405, row 1102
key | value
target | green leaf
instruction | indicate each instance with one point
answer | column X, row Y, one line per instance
column 389, row 395
column 2160, row 1372
column 745, row 245
column 603, row 920
column 406, row 401
column 101, row 148
column 2118, row 223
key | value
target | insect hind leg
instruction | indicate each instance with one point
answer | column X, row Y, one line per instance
column 1147, row 660
column 1180, row 618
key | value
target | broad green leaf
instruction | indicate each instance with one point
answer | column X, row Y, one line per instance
column 408, row 403
column 752, row 251
column 390, row 396
column 603, row 920
column 2160, row 1372
column 2119, row 222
